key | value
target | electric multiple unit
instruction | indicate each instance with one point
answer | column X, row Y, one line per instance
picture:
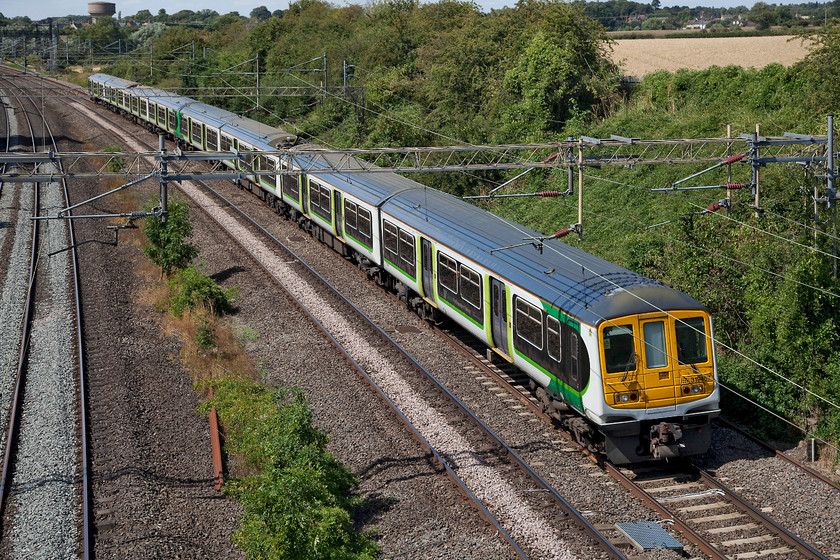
column 626, row 363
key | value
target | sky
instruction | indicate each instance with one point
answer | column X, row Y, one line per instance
column 40, row 9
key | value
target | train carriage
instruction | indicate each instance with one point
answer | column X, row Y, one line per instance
column 625, row 362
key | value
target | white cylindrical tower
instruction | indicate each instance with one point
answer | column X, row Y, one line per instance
column 101, row 9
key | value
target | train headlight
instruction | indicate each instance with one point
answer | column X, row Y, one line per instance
column 627, row 397
column 693, row 389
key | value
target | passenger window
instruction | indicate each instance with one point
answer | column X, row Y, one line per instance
column 529, row 323
column 656, row 354
column 212, row 140
column 408, row 253
column 390, row 242
column 448, row 273
column 552, row 331
column 470, row 286
column 619, row 349
column 319, row 200
column 691, row 340
column 364, row 226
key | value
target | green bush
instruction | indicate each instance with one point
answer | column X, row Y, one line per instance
column 299, row 505
column 192, row 289
column 205, row 334
column 166, row 241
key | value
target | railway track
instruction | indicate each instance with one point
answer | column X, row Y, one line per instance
column 710, row 516
column 485, row 468
column 525, row 398
column 719, row 522
column 506, row 496
column 744, row 538
column 150, row 489
column 43, row 486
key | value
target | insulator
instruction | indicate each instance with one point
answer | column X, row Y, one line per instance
column 561, row 233
column 733, row 159
column 734, row 186
column 714, row 207
column 549, row 194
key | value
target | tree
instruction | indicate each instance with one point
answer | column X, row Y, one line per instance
column 220, row 23
column 260, row 13
column 561, row 74
column 206, row 14
column 102, row 33
column 763, row 15
column 147, row 33
column 819, row 69
column 655, row 4
column 166, row 242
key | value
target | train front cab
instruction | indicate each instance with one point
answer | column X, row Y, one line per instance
column 659, row 369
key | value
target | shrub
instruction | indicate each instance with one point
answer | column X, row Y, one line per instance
column 192, row 289
column 166, row 242
column 205, row 334
column 299, row 505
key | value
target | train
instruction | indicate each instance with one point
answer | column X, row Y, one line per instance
column 626, row 363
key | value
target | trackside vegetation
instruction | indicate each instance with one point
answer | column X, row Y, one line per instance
column 298, row 504
column 167, row 241
column 296, row 497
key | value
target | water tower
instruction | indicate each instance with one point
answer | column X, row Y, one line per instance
column 101, row 9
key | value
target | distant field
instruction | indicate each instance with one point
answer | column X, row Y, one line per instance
column 643, row 56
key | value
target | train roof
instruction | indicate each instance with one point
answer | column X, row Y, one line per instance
column 586, row 287
column 582, row 285
column 253, row 132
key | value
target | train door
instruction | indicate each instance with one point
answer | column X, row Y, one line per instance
column 339, row 217
column 573, row 363
column 658, row 372
column 499, row 315
column 427, row 260
column 234, row 145
column 304, row 195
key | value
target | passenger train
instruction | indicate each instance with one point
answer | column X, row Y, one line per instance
column 624, row 362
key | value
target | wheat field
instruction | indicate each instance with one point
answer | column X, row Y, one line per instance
column 638, row 57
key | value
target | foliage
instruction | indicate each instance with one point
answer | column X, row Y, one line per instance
column 819, row 69
column 192, row 289
column 103, row 33
column 260, row 13
column 166, row 241
column 299, row 505
column 205, row 335
column 148, row 33
column 763, row 15
column 562, row 73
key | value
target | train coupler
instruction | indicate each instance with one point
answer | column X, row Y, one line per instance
column 665, row 440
